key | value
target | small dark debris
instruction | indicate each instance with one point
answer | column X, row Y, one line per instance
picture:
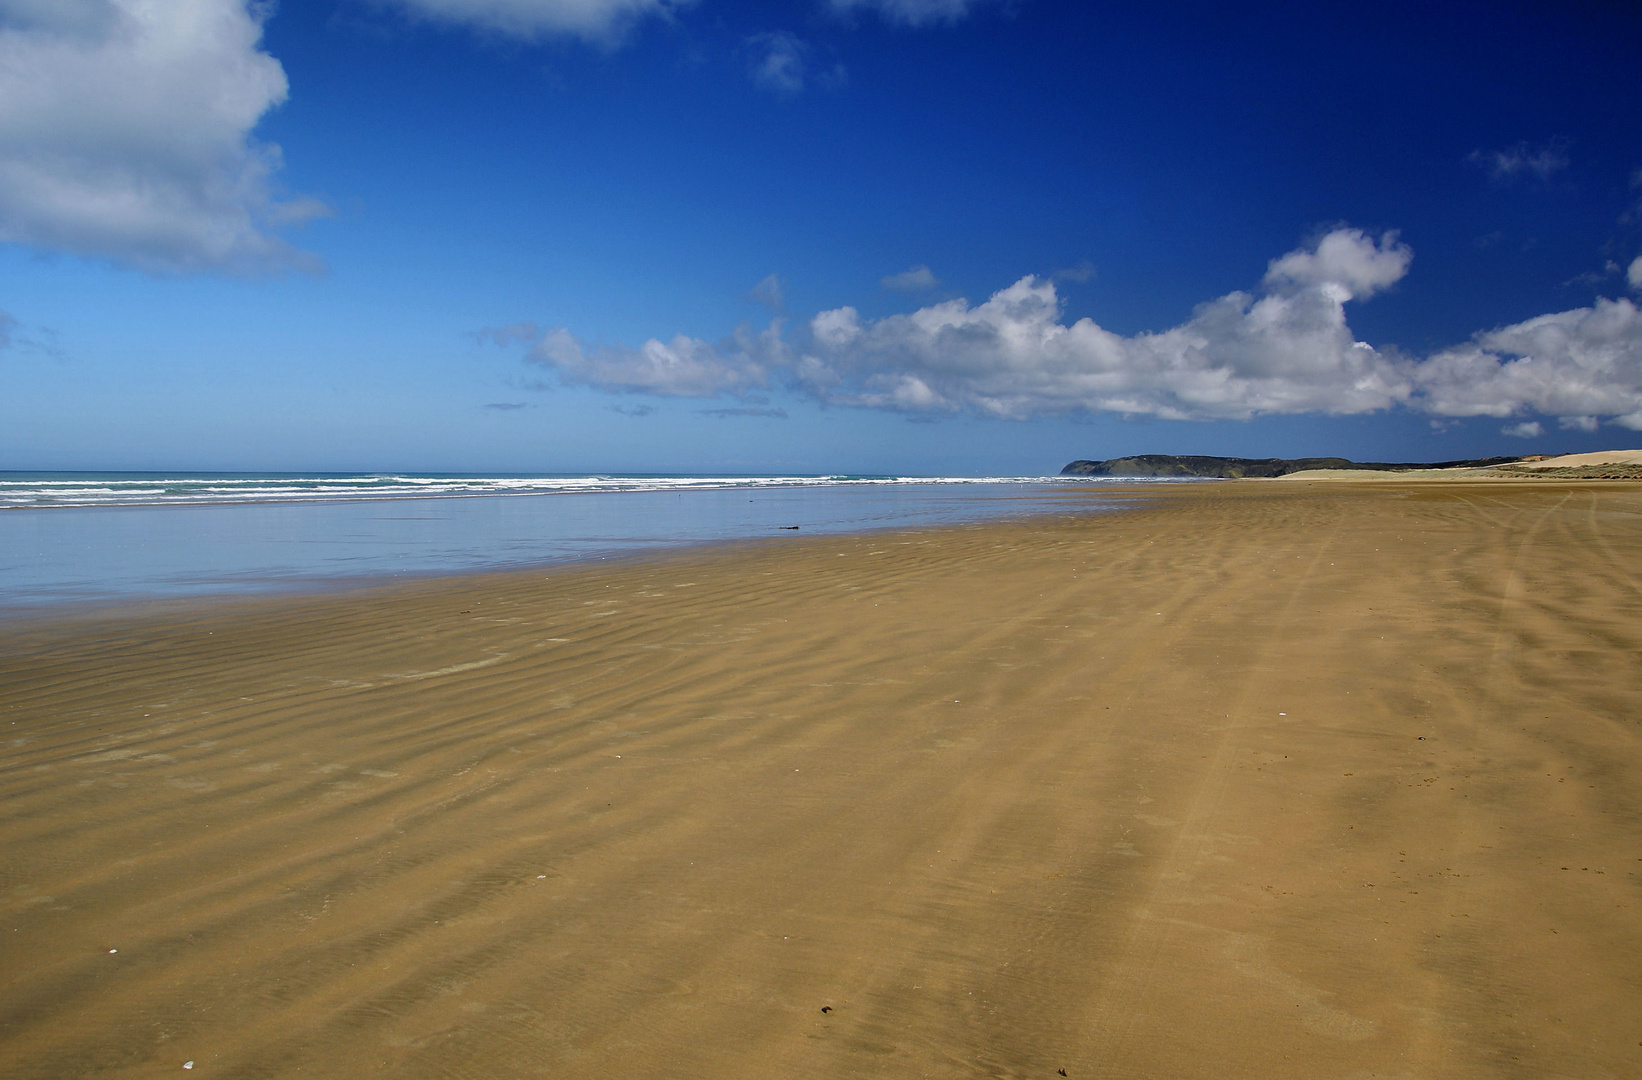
column 826, row 1008
column 1061, row 1071
column 787, row 526
column 1422, row 738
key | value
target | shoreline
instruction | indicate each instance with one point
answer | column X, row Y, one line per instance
column 1251, row 780
column 95, row 556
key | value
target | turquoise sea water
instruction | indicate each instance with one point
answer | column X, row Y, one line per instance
column 82, row 538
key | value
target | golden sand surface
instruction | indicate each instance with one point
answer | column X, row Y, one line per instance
column 1248, row 780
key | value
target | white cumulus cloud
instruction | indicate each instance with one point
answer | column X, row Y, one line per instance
column 1287, row 351
column 1345, row 263
column 1584, row 364
column 125, row 134
column 1633, row 276
column 602, row 21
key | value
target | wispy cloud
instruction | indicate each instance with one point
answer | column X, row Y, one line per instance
column 1528, row 429
column 517, row 333
column 780, row 64
column 32, row 341
column 769, row 292
column 683, row 367
column 917, row 279
column 774, row 414
column 507, row 406
column 125, row 134
column 1595, row 277
column 602, row 22
column 1523, row 160
column 912, row 12
column 783, row 63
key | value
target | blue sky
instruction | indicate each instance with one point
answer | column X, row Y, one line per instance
column 915, row 236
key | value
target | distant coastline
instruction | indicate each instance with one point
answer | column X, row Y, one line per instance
column 1596, row 465
column 1233, row 468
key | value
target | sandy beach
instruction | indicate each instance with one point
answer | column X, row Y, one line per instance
column 1248, row 780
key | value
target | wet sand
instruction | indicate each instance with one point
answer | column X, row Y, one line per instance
column 1252, row 780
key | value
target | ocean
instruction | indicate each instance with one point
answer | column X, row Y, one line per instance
column 72, row 539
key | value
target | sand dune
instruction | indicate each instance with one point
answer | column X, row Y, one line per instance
column 1586, row 464
column 1599, row 457
column 1250, row 780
